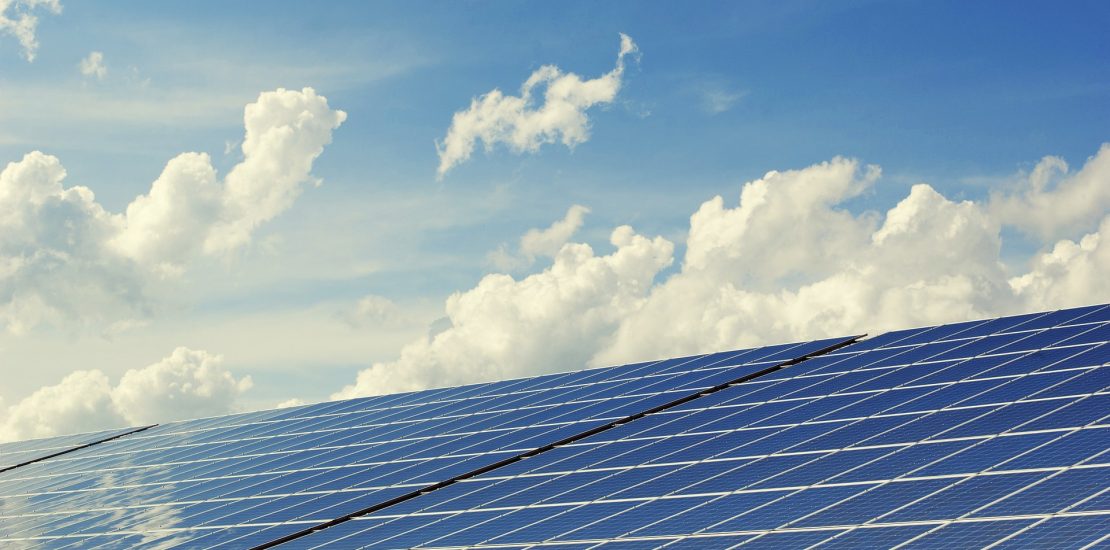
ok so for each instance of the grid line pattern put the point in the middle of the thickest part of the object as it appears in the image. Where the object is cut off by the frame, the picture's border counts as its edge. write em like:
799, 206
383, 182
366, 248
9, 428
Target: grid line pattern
249, 479
991, 433
21, 453
988, 433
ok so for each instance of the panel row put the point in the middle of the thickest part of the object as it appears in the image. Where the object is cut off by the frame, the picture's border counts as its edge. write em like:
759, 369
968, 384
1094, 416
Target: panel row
957, 436
277, 472
15, 453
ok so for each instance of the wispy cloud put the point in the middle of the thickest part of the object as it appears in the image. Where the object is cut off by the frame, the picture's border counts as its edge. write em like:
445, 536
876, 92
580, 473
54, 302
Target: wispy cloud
18, 19
716, 100
524, 125
540, 242
93, 66
198, 90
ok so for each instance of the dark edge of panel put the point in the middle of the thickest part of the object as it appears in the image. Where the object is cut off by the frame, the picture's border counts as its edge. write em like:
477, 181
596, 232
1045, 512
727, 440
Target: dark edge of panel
77, 448
571, 439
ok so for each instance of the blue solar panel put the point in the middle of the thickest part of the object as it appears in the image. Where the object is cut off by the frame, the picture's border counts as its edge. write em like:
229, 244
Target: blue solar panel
244, 480
1060, 532
17, 453
967, 435
986, 433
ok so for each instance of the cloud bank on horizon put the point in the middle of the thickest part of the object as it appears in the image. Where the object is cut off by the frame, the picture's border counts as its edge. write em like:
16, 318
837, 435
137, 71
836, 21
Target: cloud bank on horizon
185, 384
521, 124
787, 262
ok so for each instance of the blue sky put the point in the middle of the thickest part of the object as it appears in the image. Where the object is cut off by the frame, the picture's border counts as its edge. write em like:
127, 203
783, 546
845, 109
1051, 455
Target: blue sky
966, 97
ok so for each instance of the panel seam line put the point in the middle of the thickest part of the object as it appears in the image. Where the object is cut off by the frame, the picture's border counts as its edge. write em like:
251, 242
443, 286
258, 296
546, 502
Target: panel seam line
77, 448
570, 439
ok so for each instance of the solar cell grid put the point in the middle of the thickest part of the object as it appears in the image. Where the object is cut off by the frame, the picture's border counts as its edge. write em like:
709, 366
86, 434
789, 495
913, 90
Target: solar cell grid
247, 479
16, 453
982, 432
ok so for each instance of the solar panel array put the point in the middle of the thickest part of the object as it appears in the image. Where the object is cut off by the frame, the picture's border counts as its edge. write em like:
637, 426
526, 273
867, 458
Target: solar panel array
242, 480
20, 453
989, 433
957, 436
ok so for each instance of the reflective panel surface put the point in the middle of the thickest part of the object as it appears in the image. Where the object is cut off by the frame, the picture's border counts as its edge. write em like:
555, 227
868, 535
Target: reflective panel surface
242, 480
959, 436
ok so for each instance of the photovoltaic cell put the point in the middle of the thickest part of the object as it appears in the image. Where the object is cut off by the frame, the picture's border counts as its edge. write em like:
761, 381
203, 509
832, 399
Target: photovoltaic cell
967, 435
986, 433
17, 453
243, 480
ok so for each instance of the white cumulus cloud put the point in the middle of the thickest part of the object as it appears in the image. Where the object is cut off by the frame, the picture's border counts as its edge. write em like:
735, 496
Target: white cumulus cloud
544, 322
64, 258
18, 19
931, 260
292, 402
747, 242
1072, 273
93, 65
81, 402
547, 242
1052, 202
786, 262
185, 384
540, 242
188, 209
522, 124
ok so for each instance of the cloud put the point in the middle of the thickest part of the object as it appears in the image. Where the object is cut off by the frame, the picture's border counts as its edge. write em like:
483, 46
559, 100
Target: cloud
185, 384
544, 322
56, 263
286, 131
717, 99
377, 311
93, 65
786, 262
931, 260
18, 19
1052, 202
521, 124
1070, 274
65, 259
81, 402
188, 209
747, 241
293, 402
547, 242
540, 242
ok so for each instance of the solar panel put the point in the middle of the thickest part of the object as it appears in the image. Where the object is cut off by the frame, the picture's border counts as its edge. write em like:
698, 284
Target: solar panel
250, 479
967, 435
986, 433
20, 453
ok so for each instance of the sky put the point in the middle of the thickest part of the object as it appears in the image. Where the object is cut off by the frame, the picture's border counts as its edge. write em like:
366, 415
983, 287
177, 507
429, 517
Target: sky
210, 207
